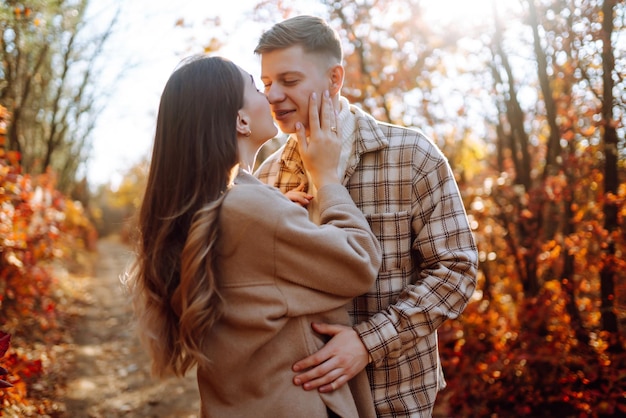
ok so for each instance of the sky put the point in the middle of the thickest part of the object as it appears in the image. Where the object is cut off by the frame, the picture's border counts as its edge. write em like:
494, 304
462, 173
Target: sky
144, 50
147, 46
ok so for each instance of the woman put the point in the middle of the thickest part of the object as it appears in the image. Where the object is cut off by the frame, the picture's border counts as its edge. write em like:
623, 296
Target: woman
230, 273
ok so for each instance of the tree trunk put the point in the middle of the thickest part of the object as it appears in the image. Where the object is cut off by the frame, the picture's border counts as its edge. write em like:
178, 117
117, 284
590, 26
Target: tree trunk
608, 273
546, 90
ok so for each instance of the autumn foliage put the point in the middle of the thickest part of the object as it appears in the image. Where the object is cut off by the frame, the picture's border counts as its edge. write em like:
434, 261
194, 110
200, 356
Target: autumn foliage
530, 110
39, 228
499, 366
5, 340
527, 101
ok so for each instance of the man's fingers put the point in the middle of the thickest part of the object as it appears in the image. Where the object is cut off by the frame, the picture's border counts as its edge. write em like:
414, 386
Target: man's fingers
335, 384
328, 329
325, 383
342, 358
320, 376
312, 360
325, 353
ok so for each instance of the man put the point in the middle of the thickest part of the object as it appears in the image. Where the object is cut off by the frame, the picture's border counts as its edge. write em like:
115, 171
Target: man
405, 187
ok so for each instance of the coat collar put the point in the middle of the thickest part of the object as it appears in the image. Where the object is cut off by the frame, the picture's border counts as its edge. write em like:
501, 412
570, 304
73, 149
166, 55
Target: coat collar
243, 177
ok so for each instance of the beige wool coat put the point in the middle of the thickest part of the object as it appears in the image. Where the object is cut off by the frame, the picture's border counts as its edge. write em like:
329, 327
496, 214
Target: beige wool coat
278, 273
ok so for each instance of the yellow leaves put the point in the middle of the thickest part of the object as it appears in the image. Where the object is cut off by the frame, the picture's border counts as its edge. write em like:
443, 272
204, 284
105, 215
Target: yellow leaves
130, 191
469, 155
588, 131
214, 45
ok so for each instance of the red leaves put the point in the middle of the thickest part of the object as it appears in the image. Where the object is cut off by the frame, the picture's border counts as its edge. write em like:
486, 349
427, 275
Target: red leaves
3, 383
38, 227
523, 358
5, 341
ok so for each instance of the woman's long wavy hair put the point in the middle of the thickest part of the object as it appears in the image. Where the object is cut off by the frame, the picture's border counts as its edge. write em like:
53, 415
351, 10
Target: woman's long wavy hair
194, 158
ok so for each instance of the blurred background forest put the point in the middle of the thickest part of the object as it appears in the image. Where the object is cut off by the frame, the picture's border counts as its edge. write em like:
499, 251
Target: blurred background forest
528, 104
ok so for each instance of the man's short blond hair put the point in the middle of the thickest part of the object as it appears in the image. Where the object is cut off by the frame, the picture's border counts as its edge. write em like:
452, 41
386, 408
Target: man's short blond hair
312, 33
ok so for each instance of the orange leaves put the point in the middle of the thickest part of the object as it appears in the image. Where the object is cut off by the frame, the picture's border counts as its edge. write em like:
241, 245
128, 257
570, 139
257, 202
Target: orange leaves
13, 157
3, 129
4, 121
38, 225
22, 12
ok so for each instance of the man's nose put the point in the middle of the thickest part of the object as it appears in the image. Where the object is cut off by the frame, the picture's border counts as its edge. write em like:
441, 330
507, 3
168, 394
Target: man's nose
274, 93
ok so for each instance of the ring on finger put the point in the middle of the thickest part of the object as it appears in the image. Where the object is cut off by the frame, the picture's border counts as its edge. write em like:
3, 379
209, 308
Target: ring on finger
334, 129
332, 385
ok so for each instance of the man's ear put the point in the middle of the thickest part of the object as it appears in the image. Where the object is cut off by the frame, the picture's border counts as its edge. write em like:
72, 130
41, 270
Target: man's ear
243, 124
336, 79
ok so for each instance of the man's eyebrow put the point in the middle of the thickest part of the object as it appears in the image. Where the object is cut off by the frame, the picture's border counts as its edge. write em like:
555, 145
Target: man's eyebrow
286, 74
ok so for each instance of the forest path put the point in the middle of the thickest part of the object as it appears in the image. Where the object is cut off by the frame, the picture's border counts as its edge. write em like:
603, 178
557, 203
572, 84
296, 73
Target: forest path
109, 373
109, 370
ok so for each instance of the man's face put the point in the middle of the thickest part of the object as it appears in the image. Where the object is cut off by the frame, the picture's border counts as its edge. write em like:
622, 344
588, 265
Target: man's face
290, 76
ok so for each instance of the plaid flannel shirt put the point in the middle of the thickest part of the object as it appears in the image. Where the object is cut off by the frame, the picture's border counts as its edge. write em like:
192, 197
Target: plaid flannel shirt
405, 187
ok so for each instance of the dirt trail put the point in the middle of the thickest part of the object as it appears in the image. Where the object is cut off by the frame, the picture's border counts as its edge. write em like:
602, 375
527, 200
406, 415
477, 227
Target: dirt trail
109, 374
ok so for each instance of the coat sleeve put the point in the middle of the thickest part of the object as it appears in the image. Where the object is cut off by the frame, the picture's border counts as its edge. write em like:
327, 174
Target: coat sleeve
316, 267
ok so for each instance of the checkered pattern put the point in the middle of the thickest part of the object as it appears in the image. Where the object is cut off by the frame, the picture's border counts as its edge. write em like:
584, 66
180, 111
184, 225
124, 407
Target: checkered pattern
405, 187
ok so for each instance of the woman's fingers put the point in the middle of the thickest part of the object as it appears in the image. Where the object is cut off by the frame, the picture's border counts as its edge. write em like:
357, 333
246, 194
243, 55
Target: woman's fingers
324, 118
322, 121
301, 135
320, 152
329, 117
314, 120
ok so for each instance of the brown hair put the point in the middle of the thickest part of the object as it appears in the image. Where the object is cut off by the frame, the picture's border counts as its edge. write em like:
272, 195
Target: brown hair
312, 33
195, 153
